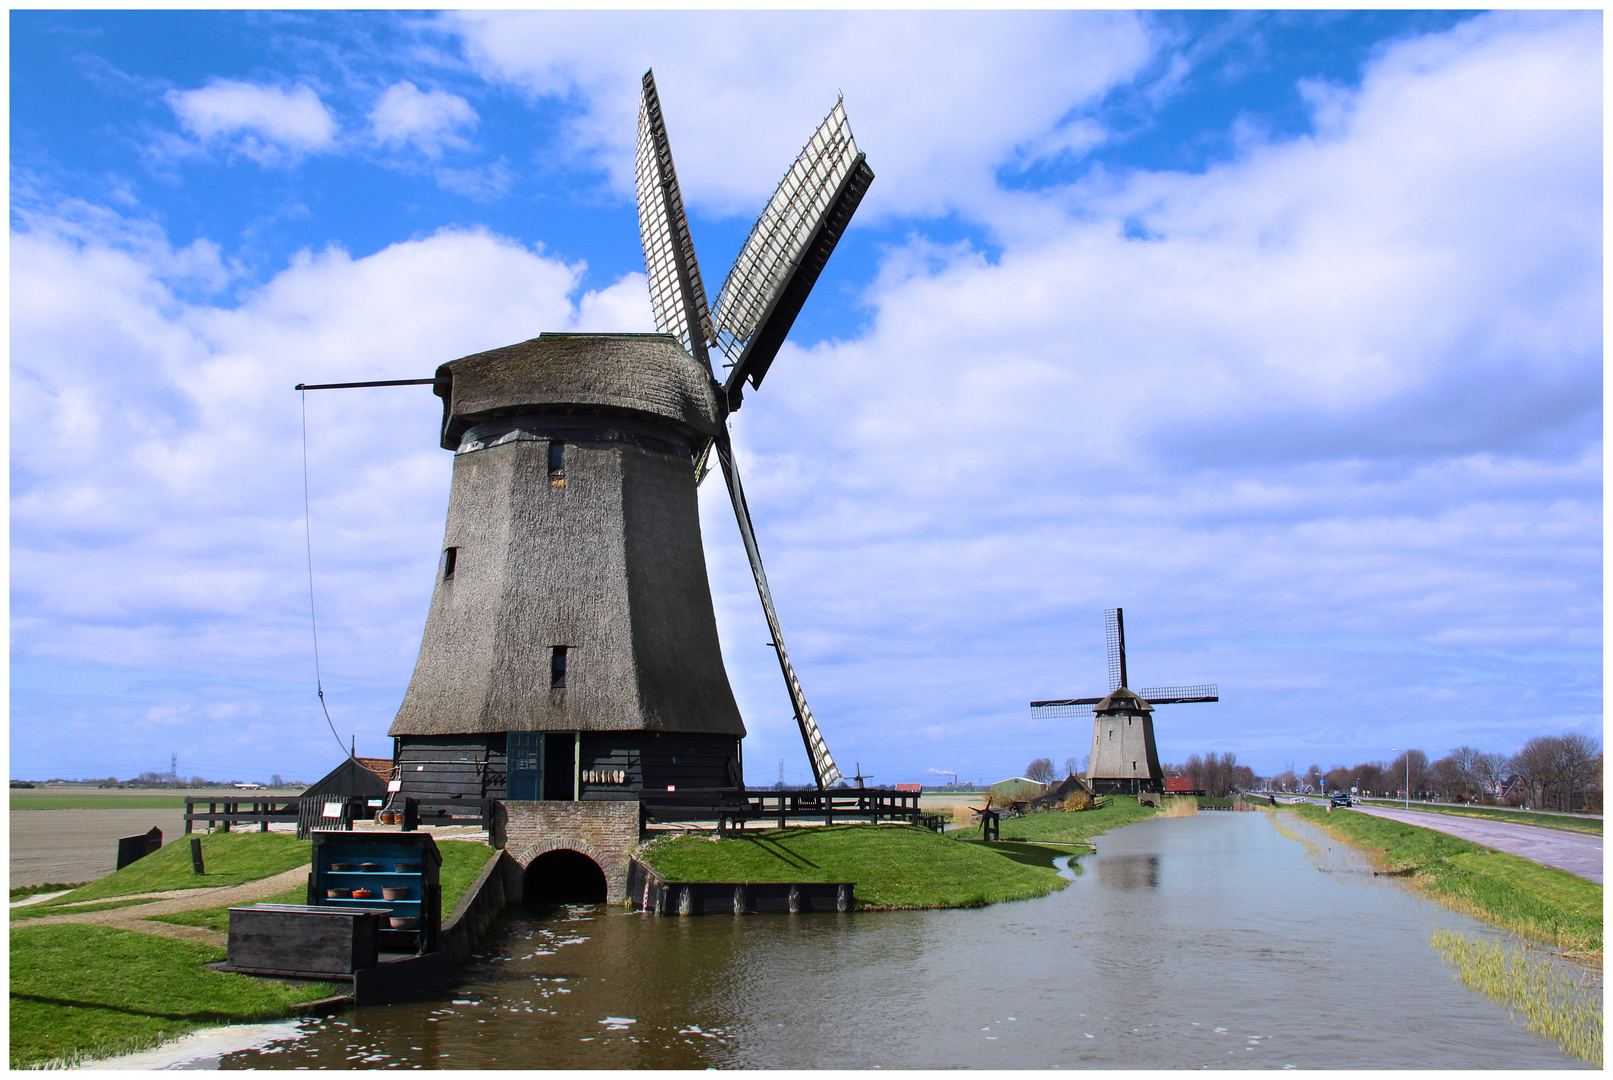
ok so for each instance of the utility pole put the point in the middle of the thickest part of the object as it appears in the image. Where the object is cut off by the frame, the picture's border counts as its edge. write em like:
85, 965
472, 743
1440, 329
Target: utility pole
173, 767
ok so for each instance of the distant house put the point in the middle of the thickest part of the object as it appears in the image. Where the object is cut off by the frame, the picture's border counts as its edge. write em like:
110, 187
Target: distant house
909, 787
1181, 785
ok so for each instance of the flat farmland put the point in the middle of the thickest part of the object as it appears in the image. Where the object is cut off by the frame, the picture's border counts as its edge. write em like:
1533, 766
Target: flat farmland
70, 834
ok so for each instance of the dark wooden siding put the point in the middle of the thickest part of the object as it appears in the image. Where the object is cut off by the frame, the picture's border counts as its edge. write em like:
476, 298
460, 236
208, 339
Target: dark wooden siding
652, 761
452, 766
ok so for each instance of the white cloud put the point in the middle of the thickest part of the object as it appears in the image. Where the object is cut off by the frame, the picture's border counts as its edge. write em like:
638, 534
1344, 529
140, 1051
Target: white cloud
266, 123
938, 99
431, 120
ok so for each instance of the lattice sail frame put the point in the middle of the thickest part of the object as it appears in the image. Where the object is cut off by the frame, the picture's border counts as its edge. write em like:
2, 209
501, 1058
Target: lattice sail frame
780, 236
664, 231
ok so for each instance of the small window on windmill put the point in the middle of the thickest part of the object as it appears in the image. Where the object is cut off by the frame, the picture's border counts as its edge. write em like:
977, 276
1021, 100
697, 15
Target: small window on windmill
450, 559
557, 463
557, 668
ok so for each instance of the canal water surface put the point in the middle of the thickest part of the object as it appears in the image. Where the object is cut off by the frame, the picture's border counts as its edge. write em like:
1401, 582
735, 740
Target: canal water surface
1208, 941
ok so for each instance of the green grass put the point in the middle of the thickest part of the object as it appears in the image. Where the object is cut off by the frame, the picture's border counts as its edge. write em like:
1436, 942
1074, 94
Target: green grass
892, 866
1533, 901
82, 992
1500, 813
40, 911
462, 860
22, 892
230, 859
1556, 1002
97, 802
1060, 827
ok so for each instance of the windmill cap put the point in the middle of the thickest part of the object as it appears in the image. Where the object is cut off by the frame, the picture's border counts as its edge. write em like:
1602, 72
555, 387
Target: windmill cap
649, 376
1122, 700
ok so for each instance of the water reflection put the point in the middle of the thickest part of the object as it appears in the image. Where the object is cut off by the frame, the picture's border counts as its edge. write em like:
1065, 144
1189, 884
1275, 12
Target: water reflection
1128, 871
1195, 942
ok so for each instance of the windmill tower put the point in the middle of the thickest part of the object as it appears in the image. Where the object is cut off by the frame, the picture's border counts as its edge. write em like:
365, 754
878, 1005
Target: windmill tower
570, 653
1124, 756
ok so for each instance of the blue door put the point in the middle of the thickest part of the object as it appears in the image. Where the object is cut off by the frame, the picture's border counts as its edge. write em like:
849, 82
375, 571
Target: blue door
524, 754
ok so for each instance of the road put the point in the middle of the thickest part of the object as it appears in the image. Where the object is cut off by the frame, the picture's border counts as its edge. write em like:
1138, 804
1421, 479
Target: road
1578, 853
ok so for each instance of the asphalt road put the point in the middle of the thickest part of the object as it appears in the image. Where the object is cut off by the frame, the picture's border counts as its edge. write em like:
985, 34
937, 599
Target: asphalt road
1578, 853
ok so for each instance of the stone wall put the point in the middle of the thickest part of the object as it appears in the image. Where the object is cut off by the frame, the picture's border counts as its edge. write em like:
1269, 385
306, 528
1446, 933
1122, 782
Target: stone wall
606, 832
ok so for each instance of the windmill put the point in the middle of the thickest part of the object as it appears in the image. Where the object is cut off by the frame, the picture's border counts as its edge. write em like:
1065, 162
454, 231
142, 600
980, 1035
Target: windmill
1124, 756
755, 308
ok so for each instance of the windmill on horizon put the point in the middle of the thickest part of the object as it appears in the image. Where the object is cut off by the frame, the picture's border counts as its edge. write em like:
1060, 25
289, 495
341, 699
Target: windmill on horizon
1124, 755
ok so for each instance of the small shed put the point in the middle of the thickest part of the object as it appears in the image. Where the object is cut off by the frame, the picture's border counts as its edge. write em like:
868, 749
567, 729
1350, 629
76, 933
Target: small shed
356, 778
1064, 789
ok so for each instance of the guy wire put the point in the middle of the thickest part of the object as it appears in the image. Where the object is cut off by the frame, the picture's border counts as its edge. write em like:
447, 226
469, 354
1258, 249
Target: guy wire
308, 539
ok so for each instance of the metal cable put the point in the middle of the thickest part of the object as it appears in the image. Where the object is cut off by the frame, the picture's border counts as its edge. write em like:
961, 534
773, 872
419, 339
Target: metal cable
308, 539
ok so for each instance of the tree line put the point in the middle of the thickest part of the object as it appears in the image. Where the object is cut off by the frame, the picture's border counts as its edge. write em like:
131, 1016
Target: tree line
1217, 775
1547, 773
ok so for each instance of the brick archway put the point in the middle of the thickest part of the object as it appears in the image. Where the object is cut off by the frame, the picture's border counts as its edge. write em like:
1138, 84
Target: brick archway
606, 832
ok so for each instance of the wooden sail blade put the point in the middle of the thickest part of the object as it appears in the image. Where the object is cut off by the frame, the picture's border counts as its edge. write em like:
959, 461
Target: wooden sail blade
1114, 637
1179, 695
677, 295
787, 249
824, 770
1065, 707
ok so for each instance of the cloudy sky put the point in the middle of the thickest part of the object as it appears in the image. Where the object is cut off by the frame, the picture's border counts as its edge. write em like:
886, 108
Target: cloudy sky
1280, 331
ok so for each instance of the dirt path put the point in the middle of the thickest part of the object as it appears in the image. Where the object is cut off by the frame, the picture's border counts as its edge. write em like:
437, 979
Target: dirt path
135, 917
1578, 853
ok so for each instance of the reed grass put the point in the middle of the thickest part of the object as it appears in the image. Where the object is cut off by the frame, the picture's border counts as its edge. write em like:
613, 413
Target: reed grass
1557, 1003
1186, 806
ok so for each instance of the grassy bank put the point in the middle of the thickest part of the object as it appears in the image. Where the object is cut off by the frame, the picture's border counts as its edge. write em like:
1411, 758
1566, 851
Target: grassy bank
1500, 813
893, 866
229, 858
1066, 828
82, 992
462, 860
1536, 902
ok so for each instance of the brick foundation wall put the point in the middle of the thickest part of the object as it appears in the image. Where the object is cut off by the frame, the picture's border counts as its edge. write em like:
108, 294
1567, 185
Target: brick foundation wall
606, 832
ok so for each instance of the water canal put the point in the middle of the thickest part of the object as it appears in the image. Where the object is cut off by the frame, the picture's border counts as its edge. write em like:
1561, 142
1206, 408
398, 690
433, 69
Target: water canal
1208, 941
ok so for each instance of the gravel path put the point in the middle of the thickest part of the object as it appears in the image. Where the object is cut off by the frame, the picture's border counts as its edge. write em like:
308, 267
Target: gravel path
136, 916
1578, 853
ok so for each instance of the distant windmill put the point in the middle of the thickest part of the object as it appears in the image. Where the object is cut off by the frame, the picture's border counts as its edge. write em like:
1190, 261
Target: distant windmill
764, 291
1124, 756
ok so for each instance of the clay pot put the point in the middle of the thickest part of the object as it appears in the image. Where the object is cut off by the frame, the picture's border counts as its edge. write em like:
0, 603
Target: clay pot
369, 867
338, 894
401, 922
341, 867
395, 894
363, 894
406, 867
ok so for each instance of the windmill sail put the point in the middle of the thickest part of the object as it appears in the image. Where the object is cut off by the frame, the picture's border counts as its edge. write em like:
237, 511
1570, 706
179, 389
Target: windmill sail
677, 294
1114, 636
1179, 695
787, 249
823, 764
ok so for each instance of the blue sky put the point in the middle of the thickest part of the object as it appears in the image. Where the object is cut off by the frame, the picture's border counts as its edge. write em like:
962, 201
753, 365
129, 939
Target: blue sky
1280, 330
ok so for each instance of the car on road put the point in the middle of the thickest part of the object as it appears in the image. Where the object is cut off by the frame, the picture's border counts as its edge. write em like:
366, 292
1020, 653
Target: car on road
1342, 798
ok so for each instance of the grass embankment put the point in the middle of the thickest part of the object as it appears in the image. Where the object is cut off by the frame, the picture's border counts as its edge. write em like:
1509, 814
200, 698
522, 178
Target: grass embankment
1066, 828
1499, 813
1536, 902
84, 992
229, 859
80, 992
897, 866
892, 866
462, 860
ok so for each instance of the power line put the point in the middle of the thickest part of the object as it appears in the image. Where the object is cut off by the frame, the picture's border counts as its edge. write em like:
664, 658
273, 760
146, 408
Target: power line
308, 539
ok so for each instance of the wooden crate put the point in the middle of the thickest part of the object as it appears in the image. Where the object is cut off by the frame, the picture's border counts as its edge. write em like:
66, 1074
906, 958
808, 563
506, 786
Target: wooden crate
300, 940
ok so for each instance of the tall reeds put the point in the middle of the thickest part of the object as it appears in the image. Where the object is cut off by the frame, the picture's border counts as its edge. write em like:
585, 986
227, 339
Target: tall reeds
1186, 806
1556, 1002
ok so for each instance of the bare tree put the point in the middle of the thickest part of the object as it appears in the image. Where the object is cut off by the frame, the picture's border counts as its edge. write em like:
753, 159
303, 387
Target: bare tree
1313, 777
1072, 766
1418, 773
1040, 770
1577, 765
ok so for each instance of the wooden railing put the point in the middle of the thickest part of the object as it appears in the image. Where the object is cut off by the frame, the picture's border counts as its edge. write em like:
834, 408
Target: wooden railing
734, 806
227, 811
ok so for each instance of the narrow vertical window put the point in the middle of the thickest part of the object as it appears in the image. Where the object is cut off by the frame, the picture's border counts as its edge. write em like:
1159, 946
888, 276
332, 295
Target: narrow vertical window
450, 557
557, 668
557, 463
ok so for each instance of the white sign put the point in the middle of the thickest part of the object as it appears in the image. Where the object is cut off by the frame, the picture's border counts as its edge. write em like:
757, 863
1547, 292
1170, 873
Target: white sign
333, 809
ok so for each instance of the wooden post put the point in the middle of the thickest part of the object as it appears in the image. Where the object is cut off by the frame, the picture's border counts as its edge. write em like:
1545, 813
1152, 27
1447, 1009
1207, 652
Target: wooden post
196, 855
190, 808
